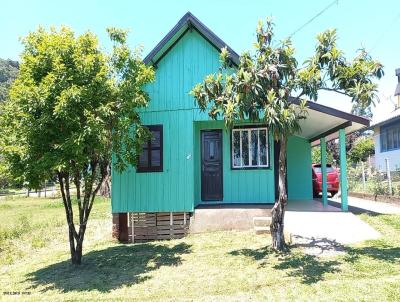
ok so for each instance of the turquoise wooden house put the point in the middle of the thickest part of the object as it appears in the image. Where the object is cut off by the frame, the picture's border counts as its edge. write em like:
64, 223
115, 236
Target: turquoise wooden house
193, 161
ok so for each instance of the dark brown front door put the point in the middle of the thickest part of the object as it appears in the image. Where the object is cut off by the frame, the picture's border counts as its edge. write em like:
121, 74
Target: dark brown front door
211, 165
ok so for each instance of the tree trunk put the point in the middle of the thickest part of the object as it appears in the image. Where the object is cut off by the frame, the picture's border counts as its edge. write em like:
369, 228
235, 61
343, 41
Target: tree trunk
278, 211
91, 188
76, 255
105, 189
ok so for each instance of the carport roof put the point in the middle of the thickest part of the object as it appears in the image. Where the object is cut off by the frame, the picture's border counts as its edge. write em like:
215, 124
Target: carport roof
324, 121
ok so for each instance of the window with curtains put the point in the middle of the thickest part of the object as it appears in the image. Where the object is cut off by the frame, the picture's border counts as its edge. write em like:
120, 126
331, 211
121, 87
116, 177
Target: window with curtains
250, 148
390, 137
151, 159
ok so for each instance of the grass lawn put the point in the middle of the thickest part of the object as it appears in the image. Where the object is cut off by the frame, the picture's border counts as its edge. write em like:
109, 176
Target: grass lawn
221, 266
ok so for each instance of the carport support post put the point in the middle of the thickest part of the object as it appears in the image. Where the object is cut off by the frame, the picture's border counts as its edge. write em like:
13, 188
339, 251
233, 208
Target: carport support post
343, 169
323, 170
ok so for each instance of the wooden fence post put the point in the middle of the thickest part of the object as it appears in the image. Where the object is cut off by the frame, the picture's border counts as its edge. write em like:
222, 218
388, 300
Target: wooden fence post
388, 176
363, 175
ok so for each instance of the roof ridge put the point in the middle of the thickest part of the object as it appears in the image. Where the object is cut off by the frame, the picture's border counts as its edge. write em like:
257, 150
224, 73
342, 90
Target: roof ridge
191, 20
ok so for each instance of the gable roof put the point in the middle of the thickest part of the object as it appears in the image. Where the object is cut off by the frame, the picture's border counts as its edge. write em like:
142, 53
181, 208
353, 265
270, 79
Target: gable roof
323, 120
187, 22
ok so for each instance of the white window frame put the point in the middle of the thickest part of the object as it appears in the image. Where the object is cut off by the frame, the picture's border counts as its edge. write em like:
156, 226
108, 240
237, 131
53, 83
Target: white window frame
248, 131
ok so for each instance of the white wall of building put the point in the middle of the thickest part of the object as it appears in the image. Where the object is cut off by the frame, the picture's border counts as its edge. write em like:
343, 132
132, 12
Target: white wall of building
393, 156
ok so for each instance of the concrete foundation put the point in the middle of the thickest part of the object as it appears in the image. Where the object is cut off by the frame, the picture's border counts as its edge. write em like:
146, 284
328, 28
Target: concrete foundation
120, 226
227, 217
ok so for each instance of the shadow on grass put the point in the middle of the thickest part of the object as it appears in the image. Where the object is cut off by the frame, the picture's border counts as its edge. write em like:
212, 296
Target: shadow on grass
105, 270
386, 253
318, 246
310, 269
258, 254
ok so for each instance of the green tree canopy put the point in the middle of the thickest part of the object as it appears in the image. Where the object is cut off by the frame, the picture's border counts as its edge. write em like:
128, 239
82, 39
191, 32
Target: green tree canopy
72, 106
316, 155
362, 148
263, 85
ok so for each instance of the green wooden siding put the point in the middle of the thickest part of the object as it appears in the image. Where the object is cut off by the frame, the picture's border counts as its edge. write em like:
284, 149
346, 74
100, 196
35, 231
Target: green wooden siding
178, 187
299, 175
169, 190
184, 65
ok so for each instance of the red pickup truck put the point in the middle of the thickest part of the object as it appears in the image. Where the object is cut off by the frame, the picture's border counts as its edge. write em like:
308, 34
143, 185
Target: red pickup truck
332, 179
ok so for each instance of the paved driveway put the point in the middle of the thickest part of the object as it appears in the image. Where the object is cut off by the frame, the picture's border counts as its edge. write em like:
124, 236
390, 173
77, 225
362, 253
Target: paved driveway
324, 230
359, 205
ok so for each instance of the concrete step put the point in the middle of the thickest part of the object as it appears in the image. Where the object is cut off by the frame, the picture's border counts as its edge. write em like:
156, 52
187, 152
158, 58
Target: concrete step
261, 230
263, 221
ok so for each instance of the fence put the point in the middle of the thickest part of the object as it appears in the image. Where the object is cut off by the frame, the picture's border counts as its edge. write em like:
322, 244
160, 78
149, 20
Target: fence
364, 178
49, 189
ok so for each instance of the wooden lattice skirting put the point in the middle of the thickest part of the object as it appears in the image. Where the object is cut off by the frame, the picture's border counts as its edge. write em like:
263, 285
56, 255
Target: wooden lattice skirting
144, 227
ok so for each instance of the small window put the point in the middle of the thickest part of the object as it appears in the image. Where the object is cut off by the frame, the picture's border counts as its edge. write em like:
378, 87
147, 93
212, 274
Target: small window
151, 159
390, 137
383, 141
249, 148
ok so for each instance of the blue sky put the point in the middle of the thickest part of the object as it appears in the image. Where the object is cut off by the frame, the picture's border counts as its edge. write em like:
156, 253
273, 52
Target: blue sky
374, 25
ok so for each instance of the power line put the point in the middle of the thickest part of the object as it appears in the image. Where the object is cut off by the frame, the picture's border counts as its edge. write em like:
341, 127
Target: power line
314, 17
380, 37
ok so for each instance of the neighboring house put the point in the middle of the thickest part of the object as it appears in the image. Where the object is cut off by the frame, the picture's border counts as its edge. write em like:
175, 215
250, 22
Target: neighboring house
387, 136
193, 161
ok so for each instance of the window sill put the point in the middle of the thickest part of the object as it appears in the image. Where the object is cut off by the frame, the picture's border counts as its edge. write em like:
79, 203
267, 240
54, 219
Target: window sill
391, 150
251, 168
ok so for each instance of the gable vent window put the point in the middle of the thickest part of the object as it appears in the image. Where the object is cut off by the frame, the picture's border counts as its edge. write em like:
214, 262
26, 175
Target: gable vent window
250, 148
151, 159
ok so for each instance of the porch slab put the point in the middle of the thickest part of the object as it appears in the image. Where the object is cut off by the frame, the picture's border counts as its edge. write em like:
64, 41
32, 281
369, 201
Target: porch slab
227, 217
318, 228
310, 206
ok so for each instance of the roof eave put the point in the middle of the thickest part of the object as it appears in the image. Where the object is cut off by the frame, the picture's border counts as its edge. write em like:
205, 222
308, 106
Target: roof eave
388, 121
189, 20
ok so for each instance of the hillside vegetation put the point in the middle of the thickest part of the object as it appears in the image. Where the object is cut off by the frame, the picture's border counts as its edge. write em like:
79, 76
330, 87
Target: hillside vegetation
8, 73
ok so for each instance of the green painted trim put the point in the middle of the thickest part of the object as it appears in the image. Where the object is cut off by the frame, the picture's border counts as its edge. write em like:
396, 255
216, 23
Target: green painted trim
323, 170
343, 169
